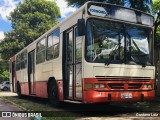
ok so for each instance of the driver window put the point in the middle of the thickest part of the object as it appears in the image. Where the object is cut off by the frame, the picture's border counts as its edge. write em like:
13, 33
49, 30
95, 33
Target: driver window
105, 41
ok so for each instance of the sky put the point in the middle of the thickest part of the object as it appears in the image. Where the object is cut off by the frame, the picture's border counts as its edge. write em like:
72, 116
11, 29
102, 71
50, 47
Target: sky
7, 6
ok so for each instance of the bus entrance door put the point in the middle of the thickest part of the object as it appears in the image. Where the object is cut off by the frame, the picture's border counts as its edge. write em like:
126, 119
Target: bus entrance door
31, 72
73, 68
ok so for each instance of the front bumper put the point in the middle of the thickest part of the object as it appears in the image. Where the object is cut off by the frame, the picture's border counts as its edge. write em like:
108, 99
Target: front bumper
97, 96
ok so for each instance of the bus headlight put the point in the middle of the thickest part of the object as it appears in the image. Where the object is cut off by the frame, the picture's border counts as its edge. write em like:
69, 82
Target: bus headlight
96, 86
144, 86
102, 86
147, 86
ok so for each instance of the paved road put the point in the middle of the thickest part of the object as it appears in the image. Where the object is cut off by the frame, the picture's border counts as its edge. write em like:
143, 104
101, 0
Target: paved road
7, 93
8, 107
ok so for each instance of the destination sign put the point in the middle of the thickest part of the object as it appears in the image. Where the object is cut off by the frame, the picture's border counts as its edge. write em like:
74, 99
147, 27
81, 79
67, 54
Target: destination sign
98, 11
120, 13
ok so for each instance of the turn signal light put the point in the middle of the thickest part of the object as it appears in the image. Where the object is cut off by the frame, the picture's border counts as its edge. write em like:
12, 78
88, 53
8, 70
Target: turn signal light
88, 86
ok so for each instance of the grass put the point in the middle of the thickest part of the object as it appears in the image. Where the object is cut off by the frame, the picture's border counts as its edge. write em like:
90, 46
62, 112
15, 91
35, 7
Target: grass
41, 105
68, 111
145, 106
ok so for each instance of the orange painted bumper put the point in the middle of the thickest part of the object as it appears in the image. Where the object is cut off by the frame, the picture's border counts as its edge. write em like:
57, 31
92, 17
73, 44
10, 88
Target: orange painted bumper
96, 96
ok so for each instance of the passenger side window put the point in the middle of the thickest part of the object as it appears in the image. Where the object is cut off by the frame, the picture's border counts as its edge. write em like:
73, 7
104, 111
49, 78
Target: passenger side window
40, 56
21, 60
24, 59
53, 45
18, 62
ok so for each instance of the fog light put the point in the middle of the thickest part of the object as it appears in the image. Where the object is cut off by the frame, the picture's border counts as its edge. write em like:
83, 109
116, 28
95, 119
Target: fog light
96, 86
149, 86
144, 86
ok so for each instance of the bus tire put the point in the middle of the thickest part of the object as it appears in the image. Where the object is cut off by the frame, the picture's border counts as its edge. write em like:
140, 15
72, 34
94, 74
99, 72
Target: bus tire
19, 90
53, 94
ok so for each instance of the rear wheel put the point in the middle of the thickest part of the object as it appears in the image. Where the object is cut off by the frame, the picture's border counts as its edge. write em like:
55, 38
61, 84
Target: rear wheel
19, 90
53, 94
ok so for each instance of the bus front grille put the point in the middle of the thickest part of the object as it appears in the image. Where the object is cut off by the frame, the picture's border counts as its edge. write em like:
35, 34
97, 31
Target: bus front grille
134, 86
124, 86
115, 86
114, 78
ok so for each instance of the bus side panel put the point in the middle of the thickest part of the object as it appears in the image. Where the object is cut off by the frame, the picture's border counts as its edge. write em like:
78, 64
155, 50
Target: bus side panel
22, 78
41, 89
24, 88
43, 72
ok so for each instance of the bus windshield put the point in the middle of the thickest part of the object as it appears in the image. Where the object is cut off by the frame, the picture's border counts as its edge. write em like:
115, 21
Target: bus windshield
113, 42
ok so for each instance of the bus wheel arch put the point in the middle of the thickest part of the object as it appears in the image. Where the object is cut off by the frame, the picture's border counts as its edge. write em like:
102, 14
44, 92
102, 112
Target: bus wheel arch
52, 90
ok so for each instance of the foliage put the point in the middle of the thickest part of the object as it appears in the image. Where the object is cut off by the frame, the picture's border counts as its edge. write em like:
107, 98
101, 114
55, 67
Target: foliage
29, 21
81, 2
156, 12
143, 5
4, 74
10, 45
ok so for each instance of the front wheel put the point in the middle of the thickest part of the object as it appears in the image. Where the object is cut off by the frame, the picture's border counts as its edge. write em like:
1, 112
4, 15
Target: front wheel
5, 89
53, 94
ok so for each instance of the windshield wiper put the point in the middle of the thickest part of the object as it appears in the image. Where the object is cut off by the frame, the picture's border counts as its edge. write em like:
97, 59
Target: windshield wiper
114, 51
108, 62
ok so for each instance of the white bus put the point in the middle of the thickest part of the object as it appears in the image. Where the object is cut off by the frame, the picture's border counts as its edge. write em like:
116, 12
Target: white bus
101, 53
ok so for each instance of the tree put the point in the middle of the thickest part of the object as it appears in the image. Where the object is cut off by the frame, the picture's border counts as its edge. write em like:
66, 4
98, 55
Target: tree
4, 74
156, 13
79, 3
29, 21
11, 45
143, 5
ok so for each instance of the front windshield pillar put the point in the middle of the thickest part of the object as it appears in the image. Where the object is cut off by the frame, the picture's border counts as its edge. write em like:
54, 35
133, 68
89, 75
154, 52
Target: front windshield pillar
125, 46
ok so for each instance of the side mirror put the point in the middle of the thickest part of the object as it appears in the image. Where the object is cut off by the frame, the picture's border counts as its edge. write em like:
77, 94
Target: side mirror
81, 27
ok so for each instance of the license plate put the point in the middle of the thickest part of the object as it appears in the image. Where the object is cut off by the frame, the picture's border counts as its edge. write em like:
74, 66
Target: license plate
126, 95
